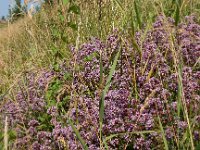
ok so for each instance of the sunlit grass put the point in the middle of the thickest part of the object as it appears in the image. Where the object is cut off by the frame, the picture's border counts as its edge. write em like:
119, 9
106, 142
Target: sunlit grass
32, 44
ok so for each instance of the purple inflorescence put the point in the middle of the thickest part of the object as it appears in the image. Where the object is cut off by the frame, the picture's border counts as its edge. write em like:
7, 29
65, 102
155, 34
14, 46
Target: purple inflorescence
144, 90
155, 90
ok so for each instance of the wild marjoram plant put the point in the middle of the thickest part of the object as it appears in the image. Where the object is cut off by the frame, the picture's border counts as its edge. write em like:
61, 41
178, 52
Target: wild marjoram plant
118, 119
134, 84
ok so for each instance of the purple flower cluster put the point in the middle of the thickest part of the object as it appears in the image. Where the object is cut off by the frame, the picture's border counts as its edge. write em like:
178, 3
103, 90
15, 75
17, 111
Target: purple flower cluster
24, 110
144, 89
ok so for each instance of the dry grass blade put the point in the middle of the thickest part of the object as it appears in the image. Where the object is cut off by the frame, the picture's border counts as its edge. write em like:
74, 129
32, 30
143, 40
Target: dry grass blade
6, 134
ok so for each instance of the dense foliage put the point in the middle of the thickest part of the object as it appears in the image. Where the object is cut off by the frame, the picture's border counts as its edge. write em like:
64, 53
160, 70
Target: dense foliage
154, 88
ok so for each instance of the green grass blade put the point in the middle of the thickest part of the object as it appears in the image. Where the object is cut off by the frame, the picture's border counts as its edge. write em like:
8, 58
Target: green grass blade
78, 135
181, 98
163, 134
180, 86
101, 105
101, 69
177, 12
137, 14
135, 45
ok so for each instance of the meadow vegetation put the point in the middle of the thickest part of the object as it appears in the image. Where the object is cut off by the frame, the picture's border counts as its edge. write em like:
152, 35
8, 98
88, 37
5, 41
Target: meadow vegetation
104, 74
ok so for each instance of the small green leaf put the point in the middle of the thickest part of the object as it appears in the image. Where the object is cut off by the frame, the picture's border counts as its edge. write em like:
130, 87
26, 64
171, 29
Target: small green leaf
65, 2
73, 26
62, 18
75, 9
60, 14
56, 67
55, 32
12, 134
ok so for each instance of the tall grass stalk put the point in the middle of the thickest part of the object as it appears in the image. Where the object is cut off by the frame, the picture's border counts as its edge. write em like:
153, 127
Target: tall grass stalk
6, 134
73, 93
182, 98
101, 103
181, 103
